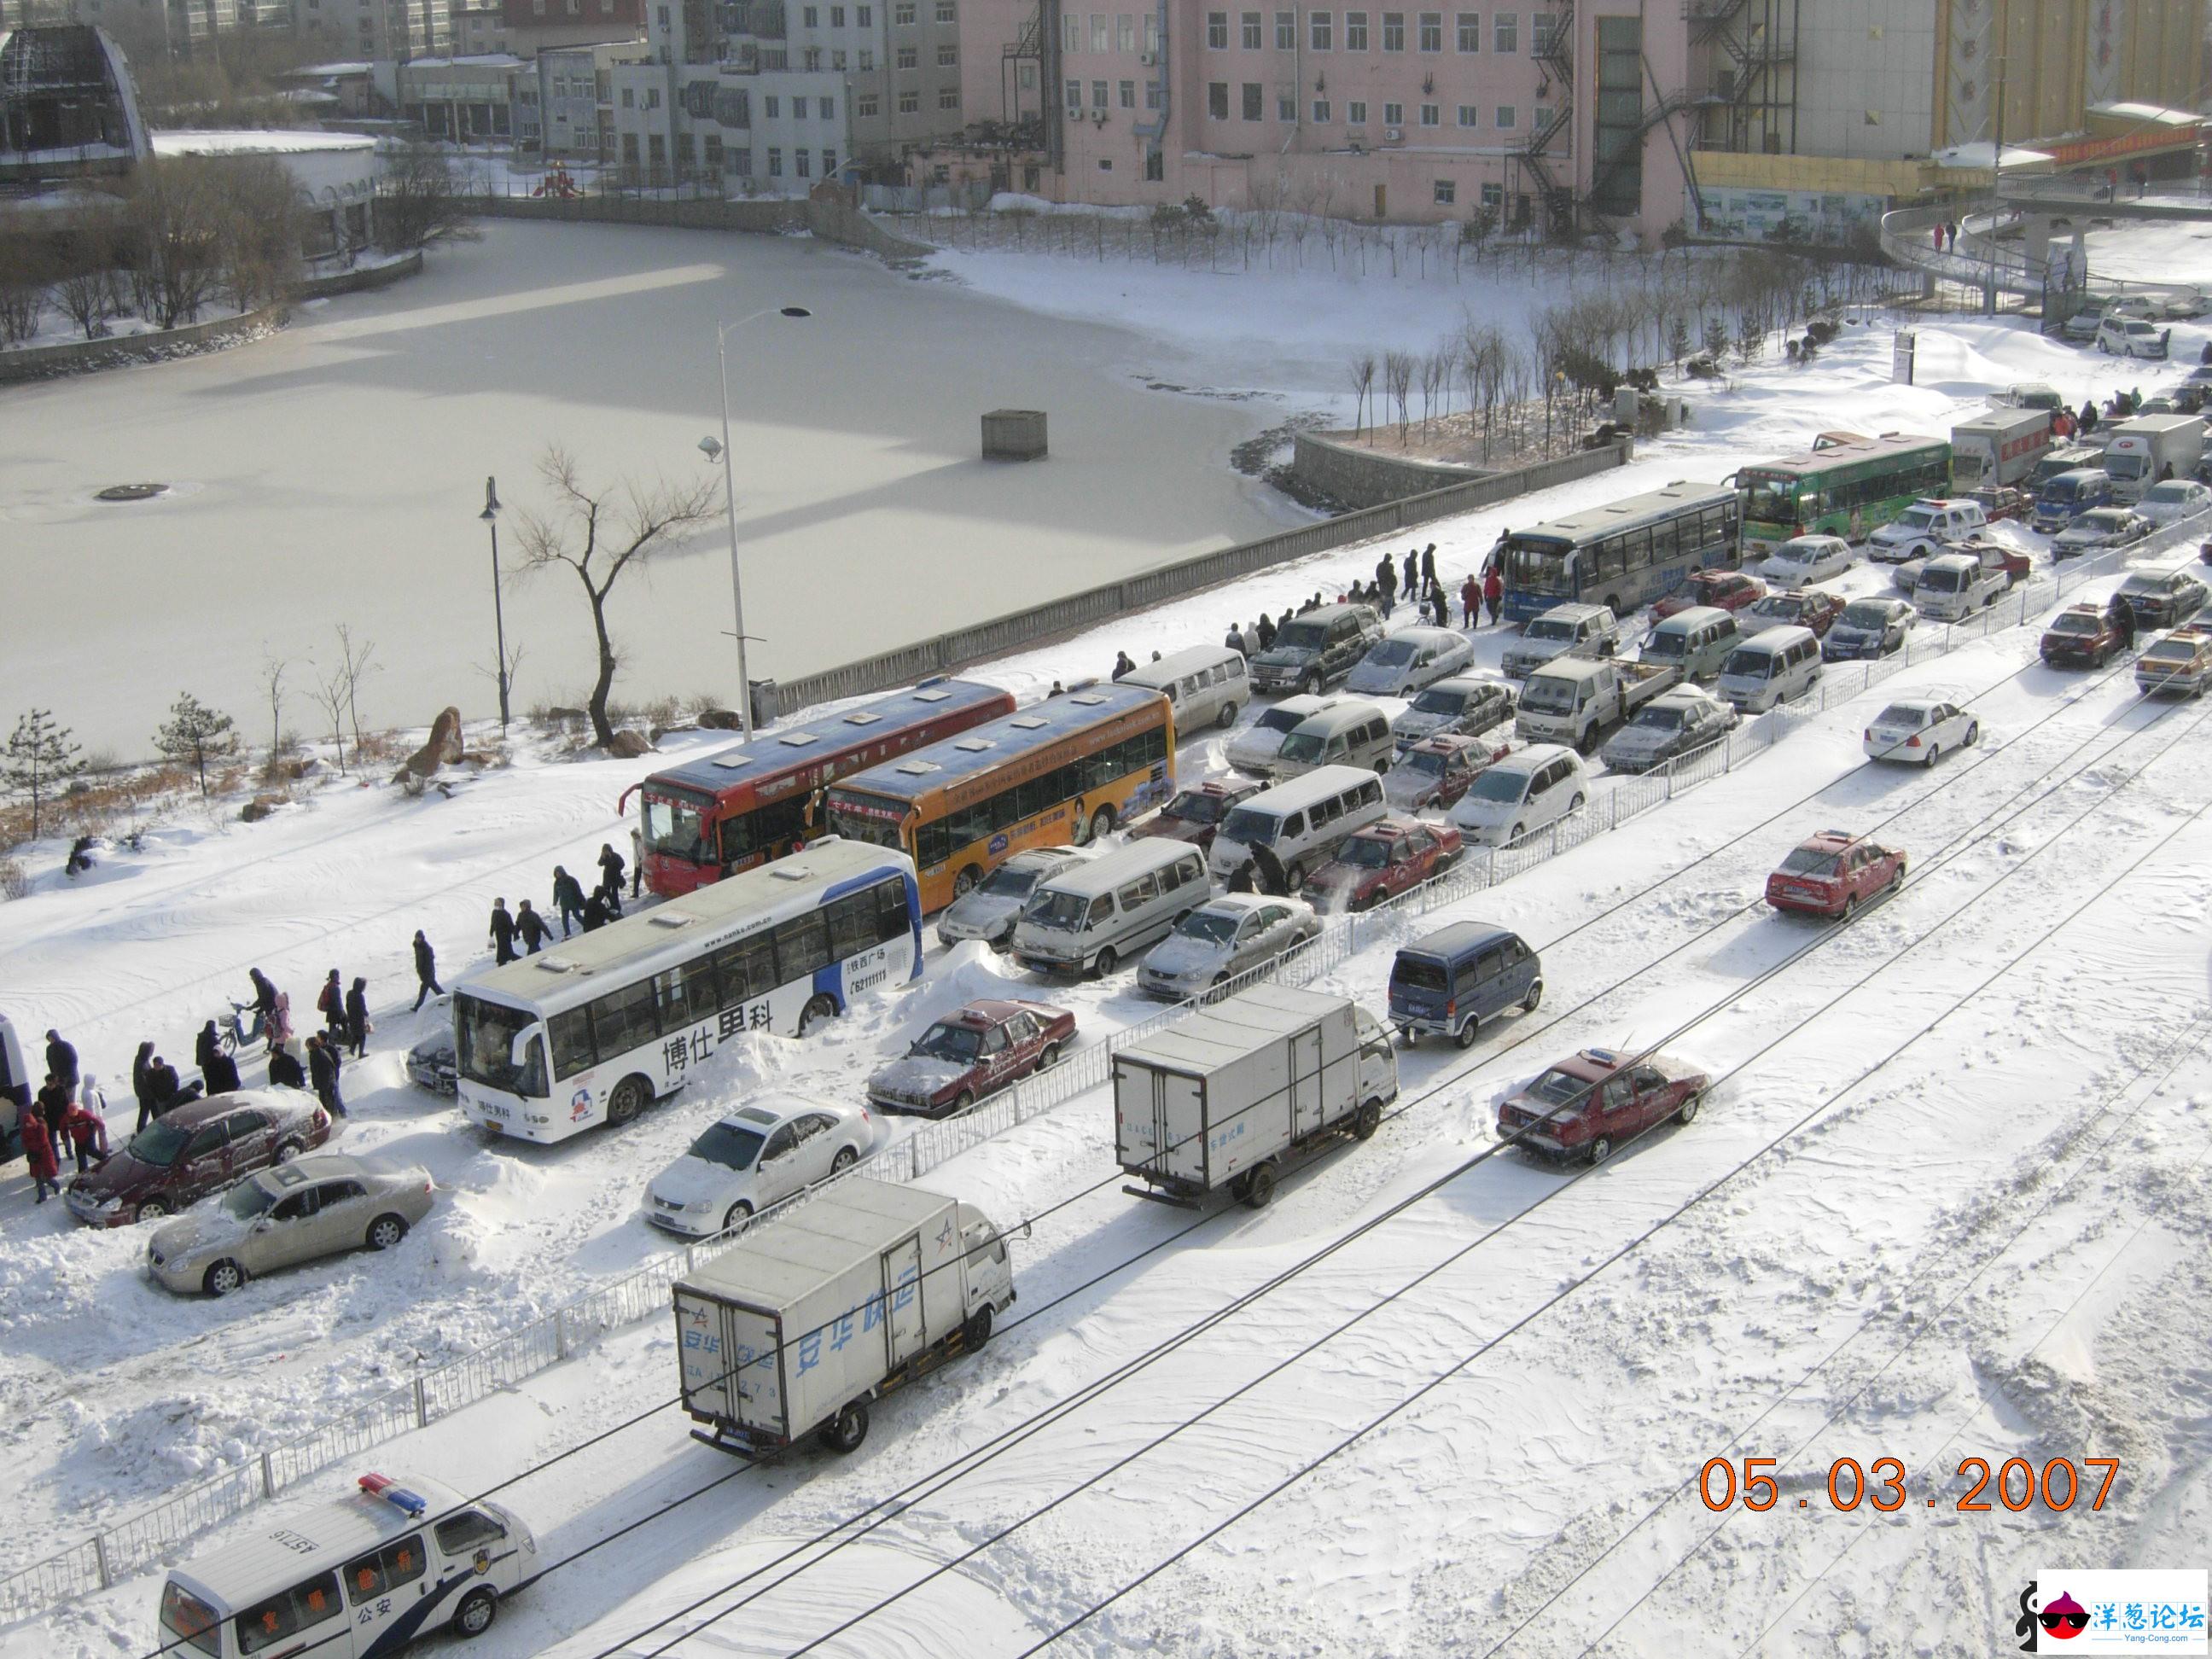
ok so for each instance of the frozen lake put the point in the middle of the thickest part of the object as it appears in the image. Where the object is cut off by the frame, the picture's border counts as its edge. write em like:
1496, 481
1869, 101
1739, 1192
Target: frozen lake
334, 472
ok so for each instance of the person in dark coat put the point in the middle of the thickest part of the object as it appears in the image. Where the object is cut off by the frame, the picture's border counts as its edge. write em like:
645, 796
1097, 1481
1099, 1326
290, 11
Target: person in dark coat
1234, 640
53, 1109
265, 993
1123, 666
1058, 690
1266, 632
1241, 880
1267, 871
1440, 605
205, 1047
532, 928
610, 875
426, 970
323, 1072
1386, 574
567, 898
2121, 616
162, 1081
503, 933
284, 1071
1429, 565
1413, 582
142, 1065
61, 1061
220, 1074
2086, 421
595, 912
40, 1153
329, 1003
357, 1008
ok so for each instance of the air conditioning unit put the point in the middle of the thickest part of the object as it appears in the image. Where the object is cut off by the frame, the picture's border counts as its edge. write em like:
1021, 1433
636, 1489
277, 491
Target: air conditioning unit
1149, 59
1394, 134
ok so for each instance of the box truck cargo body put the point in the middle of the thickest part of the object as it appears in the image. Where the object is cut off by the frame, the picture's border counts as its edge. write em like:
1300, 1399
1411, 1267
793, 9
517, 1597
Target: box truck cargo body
1998, 447
1222, 1098
798, 1326
2142, 451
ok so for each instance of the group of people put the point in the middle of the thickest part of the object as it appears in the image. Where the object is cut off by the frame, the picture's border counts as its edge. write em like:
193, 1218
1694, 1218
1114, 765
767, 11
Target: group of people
69, 1115
1947, 235
589, 911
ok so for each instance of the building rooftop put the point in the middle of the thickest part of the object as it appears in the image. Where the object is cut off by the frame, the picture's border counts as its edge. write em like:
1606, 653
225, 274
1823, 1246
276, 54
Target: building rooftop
272, 142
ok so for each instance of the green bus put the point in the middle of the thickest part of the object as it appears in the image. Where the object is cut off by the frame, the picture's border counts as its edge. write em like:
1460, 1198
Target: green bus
1845, 485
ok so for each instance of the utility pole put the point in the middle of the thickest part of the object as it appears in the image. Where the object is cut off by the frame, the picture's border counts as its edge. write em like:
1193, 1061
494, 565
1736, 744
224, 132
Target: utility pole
1996, 192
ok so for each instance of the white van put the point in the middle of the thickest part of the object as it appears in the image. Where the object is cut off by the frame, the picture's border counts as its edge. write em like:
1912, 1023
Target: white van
1777, 665
1252, 751
1204, 684
1697, 642
1347, 734
1301, 822
1524, 792
1090, 918
357, 1579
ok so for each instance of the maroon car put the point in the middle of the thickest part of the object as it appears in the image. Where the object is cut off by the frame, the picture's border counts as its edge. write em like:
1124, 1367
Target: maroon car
195, 1149
1832, 873
1587, 1106
979, 1049
1808, 607
2080, 633
1195, 814
1729, 590
1383, 860
1437, 771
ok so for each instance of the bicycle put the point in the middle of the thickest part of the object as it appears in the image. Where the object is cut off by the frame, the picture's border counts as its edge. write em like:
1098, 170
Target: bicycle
234, 1033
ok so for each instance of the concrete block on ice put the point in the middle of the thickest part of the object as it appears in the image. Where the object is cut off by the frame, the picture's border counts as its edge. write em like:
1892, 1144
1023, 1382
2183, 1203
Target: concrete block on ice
1013, 435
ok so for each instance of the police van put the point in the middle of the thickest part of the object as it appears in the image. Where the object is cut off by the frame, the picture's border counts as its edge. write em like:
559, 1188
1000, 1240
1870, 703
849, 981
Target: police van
357, 1579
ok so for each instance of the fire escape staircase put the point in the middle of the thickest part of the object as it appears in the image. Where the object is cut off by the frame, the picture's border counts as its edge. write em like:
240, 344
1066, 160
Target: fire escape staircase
1754, 56
1558, 61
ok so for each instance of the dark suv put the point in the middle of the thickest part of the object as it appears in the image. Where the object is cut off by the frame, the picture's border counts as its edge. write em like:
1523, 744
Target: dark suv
1318, 649
195, 1149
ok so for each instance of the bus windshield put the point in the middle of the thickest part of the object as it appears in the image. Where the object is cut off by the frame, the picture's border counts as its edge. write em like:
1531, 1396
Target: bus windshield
486, 1056
1538, 566
1769, 497
676, 826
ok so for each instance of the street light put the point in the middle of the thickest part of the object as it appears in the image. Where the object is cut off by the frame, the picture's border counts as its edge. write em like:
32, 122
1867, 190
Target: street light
490, 517
712, 447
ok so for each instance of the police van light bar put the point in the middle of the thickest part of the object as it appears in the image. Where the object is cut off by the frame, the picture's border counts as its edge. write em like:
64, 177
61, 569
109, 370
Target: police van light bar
382, 1486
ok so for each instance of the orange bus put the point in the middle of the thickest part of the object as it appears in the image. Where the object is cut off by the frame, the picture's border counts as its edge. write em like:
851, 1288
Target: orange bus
1066, 769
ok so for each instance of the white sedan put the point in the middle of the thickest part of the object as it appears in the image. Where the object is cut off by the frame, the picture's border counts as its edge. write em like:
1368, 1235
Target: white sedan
1919, 729
1402, 663
1805, 559
2176, 498
775, 1145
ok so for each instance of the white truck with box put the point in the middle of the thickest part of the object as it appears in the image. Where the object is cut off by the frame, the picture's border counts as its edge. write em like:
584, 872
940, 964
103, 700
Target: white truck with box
1226, 1097
796, 1328
1998, 447
2142, 451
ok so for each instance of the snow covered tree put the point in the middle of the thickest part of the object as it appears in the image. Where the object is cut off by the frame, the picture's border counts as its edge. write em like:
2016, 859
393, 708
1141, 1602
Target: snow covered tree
41, 758
600, 534
419, 200
195, 734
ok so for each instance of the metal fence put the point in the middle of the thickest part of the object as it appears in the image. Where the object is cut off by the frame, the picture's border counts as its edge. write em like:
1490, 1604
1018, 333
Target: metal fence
119, 1550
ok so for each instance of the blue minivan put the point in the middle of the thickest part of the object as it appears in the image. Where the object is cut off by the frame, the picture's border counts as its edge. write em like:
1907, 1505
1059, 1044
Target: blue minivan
1450, 982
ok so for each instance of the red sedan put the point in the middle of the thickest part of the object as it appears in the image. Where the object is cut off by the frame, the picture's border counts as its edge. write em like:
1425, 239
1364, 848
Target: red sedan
1833, 873
983, 1048
1383, 860
1600, 1100
1729, 590
1437, 771
1808, 607
1195, 814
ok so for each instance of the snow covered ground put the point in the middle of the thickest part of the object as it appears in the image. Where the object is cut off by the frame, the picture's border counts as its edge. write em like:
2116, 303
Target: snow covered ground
1985, 1237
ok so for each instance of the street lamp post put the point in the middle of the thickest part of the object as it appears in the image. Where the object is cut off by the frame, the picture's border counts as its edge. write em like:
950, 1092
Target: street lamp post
714, 449
490, 517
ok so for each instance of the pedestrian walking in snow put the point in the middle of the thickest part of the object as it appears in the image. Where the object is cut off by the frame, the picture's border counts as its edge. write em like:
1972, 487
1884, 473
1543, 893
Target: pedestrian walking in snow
1267, 628
1386, 574
329, 1003
205, 1047
1470, 602
636, 863
1234, 640
532, 928
285, 1071
426, 969
1440, 605
357, 1006
503, 933
610, 875
323, 1072
87, 1126
39, 1153
1429, 565
61, 1061
595, 912
141, 1066
280, 1021
1058, 690
2086, 421
1493, 593
1123, 666
1413, 582
567, 898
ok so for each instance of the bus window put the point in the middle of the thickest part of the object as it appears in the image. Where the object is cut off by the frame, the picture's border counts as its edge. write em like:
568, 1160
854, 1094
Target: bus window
624, 1019
192, 1621
745, 970
802, 946
487, 1031
573, 1049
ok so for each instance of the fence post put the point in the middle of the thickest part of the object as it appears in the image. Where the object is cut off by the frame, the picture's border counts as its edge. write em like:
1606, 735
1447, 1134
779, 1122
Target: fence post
268, 1476
422, 1403
99, 1559
561, 1316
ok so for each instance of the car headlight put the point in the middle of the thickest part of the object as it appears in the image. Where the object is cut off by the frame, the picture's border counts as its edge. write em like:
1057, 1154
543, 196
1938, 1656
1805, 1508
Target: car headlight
109, 1205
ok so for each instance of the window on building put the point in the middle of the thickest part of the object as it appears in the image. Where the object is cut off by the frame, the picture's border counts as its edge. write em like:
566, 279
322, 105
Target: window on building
1074, 95
910, 103
1217, 100
1125, 93
1505, 32
1393, 115
775, 162
947, 57
1025, 76
828, 163
1469, 116
828, 109
1543, 26
1318, 31
1248, 30
803, 163
1539, 117
661, 14
947, 12
630, 147
629, 98
1286, 31
814, 57
1493, 196
810, 15
909, 57
741, 163
1394, 31
1321, 112
1432, 116
1156, 168
1125, 31
1251, 101
837, 60
1152, 94
1508, 117
1098, 31
772, 106
799, 109
1445, 192
1105, 164
1152, 32
1355, 31
1216, 31
903, 13
864, 17
867, 58
836, 18
1432, 30
1071, 34
948, 98
1355, 113
1098, 95
867, 106
1286, 104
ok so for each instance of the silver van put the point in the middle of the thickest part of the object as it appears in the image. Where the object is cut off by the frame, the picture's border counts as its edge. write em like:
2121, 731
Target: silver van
1347, 734
1299, 823
1778, 665
1204, 684
1093, 917
1697, 642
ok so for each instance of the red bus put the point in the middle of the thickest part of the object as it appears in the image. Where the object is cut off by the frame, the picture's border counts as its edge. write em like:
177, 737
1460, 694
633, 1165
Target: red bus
725, 812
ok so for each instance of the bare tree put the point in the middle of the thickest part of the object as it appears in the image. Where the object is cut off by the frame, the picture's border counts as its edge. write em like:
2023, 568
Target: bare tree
261, 221
329, 692
273, 670
26, 267
419, 200
1362, 383
1398, 380
87, 288
600, 534
356, 662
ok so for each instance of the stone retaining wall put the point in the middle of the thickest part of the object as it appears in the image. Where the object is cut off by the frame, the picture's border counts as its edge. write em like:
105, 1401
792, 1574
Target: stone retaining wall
1358, 477
833, 221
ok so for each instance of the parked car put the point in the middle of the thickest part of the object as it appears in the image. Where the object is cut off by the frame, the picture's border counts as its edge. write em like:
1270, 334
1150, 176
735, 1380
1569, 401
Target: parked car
1565, 631
430, 1064
197, 1148
1675, 723
1725, 590
1926, 527
1195, 814
2080, 634
1803, 559
1447, 983
2179, 665
323, 1204
2030, 394
2161, 598
1524, 792
989, 909
1465, 705
974, 1051
1388, 857
775, 1145
1252, 751
2102, 527
1599, 1100
1920, 729
1694, 642
1954, 586
2133, 336
2175, 498
1223, 938
2067, 496
1832, 873
1773, 666
1437, 771
1994, 557
1316, 650
1869, 628
1401, 663
1811, 608
1350, 732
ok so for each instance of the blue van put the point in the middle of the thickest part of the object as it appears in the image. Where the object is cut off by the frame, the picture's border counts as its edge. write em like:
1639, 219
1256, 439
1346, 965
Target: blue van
1450, 982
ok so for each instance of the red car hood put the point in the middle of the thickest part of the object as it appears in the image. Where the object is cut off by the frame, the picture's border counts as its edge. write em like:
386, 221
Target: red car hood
119, 1177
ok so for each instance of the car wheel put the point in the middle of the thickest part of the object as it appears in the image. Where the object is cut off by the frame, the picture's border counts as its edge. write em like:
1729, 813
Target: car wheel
478, 1608
1973, 734
1535, 996
153, 1209
741, 1211
1366, 1120
1687, 1111
1934, 749
1851, 907
964, 883
961, 1103
222, 1278
846, 1158
1105, 961
1047, 1057
977, 1331
1468, 1031
386, 1231
629, 1099
1575, 806
845, 1431
817, 1009
1310, 685
1601, 1149
288, 1150
1227, 718
1516, 832
1259, 1188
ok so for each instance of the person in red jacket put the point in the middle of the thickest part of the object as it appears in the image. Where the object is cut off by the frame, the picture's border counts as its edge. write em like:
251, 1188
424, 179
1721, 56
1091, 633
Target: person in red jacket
1493, 591
39, 1152
1470, 602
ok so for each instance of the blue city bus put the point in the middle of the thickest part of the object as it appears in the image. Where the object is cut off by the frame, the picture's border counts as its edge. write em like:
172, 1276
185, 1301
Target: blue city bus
1624, 554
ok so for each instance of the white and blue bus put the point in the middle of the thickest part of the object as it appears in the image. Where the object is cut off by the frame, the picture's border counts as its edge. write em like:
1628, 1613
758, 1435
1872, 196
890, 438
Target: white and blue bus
1624, 554
597, 1027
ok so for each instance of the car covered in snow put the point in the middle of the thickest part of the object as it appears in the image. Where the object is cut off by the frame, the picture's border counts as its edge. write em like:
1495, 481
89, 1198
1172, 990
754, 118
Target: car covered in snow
430, 1064
1724, 590
2174, 498
1391, 856
1565, 631
989, 909
2031, 394
1437, 771
1673, 724
195, 1149
1316, 650
1832, 873
1924, 528
2100, 528
323, 1204
1253, 750
2080, 635
1812, 608
1593, 1103
1401, 663
1868, 627
774, 1145
2163, 598
1803, 559
1225, 937
1195, 813
1920, 730
1463, 704
974, 1051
